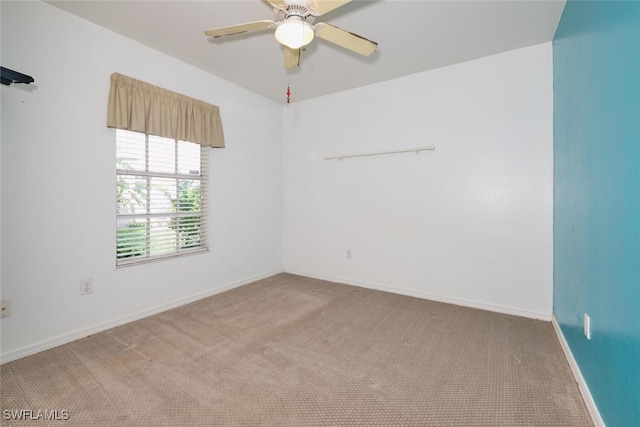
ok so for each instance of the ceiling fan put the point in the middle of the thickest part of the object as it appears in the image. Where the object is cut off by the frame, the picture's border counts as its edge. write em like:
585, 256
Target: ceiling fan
294, 28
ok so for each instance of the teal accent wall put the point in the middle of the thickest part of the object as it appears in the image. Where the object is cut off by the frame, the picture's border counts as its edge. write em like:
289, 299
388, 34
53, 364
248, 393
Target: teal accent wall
596, 60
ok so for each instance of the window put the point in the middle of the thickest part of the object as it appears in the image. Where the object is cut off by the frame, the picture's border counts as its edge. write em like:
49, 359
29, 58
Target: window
161, 197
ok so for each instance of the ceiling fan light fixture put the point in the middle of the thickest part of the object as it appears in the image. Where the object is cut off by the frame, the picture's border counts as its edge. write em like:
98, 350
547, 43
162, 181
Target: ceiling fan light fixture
294, 33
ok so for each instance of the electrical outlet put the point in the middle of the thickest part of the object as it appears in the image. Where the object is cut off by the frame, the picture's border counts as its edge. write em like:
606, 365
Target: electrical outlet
587, 326
86, 286
6, 308
348, 253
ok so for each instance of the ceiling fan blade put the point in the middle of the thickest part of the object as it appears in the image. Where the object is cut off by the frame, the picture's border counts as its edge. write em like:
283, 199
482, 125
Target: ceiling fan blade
239, 29
321, 7
291, 58
347, 40
279, 4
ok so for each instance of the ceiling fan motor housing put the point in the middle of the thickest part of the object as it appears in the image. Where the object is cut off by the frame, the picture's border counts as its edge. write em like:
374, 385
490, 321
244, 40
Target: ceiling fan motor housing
297, 10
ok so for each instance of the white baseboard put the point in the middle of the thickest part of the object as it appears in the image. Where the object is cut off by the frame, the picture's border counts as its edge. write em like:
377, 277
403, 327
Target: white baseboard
84, 332
425, 295
582, 385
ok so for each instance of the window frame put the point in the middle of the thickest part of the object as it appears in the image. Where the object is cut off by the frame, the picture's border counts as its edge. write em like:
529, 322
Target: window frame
202, 177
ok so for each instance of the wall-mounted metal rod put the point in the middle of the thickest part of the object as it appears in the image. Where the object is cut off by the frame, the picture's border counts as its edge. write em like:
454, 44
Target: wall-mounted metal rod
8, 76
380, 153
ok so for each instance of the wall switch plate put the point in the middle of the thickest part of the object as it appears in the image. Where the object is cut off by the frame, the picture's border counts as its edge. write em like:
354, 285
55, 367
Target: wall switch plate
587, 326
6, 308
86, 286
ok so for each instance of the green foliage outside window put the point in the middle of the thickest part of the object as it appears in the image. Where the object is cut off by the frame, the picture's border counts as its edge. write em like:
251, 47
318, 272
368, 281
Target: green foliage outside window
188, 228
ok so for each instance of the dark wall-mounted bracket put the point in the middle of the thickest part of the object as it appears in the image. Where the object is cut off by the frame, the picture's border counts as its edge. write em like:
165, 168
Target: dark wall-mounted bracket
10, 76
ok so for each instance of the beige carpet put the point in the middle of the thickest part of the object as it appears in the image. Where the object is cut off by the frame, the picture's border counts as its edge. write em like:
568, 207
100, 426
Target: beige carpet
296, 351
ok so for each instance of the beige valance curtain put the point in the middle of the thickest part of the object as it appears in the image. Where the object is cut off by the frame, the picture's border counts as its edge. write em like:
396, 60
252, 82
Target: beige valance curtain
142, 107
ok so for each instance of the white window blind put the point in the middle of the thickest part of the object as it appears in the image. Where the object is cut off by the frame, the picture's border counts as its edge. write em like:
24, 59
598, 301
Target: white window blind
161, 197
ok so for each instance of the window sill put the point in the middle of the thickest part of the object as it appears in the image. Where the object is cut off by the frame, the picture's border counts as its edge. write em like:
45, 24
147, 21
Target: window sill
154, 258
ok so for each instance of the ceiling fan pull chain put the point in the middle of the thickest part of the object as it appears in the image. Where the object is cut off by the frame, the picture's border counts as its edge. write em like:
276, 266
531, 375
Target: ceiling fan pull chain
288, 94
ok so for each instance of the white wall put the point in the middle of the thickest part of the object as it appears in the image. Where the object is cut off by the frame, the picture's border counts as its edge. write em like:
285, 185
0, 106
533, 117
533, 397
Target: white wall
470, 223
58, 183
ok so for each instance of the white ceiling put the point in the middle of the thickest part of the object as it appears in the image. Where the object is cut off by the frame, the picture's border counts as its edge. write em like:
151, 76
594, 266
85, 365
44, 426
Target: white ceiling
412, 36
